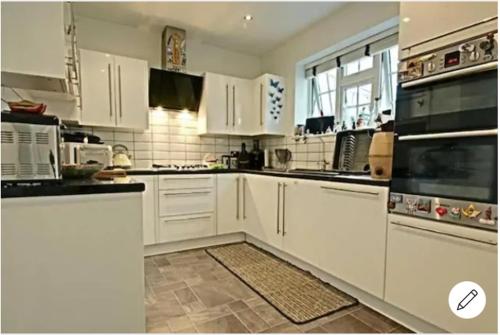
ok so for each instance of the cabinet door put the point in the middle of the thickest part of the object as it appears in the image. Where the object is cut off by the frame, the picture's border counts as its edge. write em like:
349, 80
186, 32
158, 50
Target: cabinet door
272, 108
424, 264
263, 216
244, 119
215, 114
131, 92
33, 39
97, 84
229, 198
353, 222
149, 202
302, 222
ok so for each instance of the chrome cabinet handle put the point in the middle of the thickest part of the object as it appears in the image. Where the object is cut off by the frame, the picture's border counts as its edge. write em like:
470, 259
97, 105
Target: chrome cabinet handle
186, 178
120, 88
109, 91
227, 104
350, 191
283, 215
244, 199
237, 198
187, 193
278, 211
457, 134
188, 219
234, 105
261, 116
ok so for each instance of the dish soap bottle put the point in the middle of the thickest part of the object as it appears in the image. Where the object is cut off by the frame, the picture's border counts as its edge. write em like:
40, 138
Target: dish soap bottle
243, 158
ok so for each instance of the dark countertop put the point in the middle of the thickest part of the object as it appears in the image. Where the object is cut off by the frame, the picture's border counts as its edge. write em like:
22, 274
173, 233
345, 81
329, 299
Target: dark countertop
73, 187
351, 179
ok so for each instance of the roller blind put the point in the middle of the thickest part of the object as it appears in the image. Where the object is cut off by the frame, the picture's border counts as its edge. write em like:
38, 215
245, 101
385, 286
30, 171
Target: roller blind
367, 47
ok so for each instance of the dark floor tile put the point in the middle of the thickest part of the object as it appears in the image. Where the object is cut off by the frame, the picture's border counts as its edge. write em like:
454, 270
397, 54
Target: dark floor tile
170, 309
225, 324
269, 314
401, 330
316, 330
347, 324
212, 296
190, 330
179, 323
208, 314
185, 296
375, 319
238, 306
158, 329
251, 320
285, 328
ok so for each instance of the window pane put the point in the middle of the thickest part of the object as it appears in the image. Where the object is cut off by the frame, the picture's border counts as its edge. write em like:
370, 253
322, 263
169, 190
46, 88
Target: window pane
351, 96
332, 79
323, 84
365, 94
364, 111
332, 99
365, 63
393, 52
349, 115
325, 101
351, 68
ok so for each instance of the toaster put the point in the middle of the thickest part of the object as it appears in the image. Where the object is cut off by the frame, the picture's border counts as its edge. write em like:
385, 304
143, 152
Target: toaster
30, 147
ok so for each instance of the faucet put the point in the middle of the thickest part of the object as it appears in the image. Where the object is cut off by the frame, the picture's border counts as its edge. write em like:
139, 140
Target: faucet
323, 163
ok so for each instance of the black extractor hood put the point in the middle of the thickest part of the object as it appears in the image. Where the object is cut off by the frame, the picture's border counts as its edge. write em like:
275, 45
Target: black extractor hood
174, 90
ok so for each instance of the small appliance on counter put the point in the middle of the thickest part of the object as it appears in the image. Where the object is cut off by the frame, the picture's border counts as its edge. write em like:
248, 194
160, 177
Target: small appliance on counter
319, 125
30, 147
256, 157
83, 153
351, 151
380, 155
121, 157
243, 158
284, 156
80, 137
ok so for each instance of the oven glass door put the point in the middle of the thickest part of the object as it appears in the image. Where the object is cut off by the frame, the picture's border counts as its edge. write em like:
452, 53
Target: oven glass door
460, 103
453, 168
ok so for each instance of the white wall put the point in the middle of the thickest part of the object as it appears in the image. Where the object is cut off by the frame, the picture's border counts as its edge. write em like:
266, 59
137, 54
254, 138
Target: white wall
348, 25
146, 44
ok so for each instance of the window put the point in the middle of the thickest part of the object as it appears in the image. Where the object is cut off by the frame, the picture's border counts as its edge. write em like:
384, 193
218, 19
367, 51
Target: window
357, 91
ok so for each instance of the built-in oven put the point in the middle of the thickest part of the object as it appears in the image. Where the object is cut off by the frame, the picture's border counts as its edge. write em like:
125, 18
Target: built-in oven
450, 89
449, 177
445, 150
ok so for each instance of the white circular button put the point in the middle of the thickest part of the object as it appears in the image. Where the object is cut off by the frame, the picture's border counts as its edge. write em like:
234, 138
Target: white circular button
474, 56
467, 300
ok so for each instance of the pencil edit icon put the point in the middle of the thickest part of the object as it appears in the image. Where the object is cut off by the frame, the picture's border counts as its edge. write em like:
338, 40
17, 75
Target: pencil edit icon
467, 299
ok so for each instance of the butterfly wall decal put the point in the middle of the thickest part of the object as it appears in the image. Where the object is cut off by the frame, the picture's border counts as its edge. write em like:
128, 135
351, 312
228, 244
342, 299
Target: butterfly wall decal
281, 89
273, 83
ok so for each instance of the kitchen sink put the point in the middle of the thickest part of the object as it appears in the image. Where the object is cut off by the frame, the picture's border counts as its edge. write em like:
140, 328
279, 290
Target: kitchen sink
314, 172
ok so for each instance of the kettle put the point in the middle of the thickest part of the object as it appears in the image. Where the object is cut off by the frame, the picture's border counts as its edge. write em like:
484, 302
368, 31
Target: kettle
121, 157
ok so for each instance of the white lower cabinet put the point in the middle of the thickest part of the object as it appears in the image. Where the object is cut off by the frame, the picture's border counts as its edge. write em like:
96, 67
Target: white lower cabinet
230, 215
262, 204
148, 208
180, 228
353, 225
426, 259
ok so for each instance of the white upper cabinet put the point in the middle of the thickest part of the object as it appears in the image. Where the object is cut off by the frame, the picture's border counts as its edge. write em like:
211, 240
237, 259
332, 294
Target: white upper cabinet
423, 21
131, 92
269, 97
33, 39
236, 106
114, 90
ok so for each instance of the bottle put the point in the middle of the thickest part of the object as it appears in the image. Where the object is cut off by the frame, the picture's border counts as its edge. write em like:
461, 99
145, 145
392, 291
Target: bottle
257, 156
243, 158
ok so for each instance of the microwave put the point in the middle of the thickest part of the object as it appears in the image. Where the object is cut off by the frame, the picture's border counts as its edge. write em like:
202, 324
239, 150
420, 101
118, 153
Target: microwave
30, 147
83, 153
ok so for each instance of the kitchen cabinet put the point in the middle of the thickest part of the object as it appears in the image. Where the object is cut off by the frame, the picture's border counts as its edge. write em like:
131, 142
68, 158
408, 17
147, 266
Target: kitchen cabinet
226, 106
302, 226
230, 211
114, 90
353, 225
186, 207
415, 27
33, 42
263, 209
269, 97
425, 259
149, 205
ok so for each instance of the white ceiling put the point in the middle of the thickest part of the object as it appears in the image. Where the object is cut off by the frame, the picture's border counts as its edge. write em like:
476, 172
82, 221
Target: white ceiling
217, 23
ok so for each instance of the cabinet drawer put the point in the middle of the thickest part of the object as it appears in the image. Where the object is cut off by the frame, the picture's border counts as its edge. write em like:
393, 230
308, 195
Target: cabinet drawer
181, 202
185, 228
185, 182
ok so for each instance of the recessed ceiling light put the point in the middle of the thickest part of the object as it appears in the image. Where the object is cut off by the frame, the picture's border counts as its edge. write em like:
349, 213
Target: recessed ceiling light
406, 19
248, 17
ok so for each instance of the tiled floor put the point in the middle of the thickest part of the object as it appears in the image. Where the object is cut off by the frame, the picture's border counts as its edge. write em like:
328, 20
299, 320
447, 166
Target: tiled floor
189, 292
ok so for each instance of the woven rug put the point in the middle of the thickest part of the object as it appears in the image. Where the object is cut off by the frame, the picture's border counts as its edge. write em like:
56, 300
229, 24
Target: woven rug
297, 294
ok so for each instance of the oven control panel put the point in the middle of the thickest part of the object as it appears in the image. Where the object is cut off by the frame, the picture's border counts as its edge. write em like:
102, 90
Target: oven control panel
461, 212
468, 53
